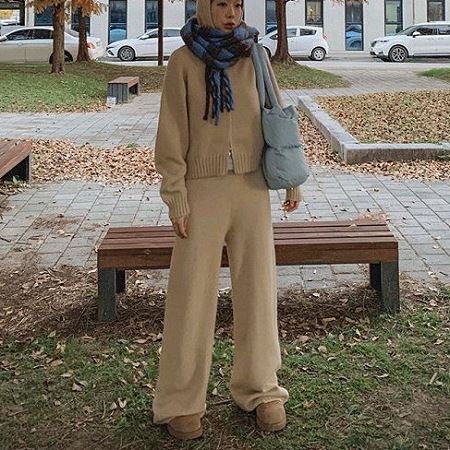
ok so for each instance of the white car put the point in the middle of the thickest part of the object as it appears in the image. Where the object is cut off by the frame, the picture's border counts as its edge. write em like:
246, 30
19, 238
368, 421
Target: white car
146, 45
424, 39
302, 41
35, 45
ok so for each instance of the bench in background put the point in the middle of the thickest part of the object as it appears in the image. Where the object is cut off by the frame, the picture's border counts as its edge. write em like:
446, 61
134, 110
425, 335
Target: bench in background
122, 86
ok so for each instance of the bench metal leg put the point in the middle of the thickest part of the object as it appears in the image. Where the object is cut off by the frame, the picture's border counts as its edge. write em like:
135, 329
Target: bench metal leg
106, 295
21, 172
390, 287
120, 281
375, 276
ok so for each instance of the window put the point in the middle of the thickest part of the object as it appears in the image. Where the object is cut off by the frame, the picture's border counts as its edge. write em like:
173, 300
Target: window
41, 33
393, 16
76, 22
426, 30
171, 33
151, 14
314, 12
190, 9
10, 13
291, 32
45, 18
117, 20
20, 35
435, 10
307, 32
271, 16
444, 29
353, 25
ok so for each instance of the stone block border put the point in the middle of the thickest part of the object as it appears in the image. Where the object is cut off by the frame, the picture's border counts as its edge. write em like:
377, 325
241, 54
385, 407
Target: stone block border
351, 151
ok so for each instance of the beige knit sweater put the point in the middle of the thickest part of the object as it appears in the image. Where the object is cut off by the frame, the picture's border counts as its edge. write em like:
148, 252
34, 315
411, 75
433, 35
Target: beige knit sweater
188, 146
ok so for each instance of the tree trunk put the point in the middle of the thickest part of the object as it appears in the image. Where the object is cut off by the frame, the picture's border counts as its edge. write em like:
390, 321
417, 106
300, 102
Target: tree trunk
58, 38
282, 54
83, 53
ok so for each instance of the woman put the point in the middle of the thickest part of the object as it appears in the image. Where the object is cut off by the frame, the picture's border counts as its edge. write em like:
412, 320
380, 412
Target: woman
208, 151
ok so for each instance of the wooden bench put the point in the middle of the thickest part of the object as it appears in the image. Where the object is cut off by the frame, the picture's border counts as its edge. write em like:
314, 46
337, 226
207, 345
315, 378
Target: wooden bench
15, 160
122, 86
343, 242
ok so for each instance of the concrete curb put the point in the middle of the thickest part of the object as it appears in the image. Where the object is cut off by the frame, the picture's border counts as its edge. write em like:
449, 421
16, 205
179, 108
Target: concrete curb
351, 151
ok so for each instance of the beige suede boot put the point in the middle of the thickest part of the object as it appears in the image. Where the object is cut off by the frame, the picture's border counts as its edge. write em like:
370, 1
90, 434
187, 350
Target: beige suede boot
186, 427
271, 416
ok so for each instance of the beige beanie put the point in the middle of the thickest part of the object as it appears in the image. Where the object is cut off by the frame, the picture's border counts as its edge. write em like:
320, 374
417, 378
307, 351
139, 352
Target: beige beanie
203, 14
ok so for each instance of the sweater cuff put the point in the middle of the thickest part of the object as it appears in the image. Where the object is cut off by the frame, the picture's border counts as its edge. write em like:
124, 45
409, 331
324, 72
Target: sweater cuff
178, 207
293, 194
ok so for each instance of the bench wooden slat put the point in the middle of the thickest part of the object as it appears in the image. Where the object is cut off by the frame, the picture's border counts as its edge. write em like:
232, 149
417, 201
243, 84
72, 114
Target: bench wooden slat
160, 258
372, 231
125, 232
13, 153
300, 239
277, 226
125, 80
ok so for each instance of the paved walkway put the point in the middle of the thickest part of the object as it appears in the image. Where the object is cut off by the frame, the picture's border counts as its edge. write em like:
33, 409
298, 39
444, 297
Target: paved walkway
63, 222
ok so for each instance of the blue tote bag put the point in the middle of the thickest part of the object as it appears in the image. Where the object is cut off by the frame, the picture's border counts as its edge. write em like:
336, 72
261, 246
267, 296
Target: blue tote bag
284, 163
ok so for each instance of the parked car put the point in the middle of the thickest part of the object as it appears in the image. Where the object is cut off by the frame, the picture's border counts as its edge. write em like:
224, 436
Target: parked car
146, 45
6, 28
424, 39
302, 41
35, 45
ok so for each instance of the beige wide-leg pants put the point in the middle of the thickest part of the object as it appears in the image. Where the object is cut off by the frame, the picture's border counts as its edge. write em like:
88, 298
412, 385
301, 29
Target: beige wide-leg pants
234, 209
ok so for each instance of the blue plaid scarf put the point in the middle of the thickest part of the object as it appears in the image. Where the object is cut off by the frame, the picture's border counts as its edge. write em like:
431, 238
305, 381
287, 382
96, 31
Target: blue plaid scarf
219, 50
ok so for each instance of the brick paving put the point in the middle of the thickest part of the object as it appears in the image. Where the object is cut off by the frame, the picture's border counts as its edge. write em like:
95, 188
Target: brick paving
63, 222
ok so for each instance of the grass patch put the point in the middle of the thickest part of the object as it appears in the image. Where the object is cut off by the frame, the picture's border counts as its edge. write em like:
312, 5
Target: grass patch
83, 87
298, 76
357, 379
400, 117
442, 74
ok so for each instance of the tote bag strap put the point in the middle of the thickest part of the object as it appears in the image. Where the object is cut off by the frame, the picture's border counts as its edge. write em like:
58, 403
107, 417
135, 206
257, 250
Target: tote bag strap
263, 80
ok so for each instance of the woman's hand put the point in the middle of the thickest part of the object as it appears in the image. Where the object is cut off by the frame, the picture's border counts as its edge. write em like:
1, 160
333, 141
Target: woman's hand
290, 205
180, 226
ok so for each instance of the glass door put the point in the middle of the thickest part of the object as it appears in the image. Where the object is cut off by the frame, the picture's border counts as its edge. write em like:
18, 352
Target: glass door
117, 20
353, 26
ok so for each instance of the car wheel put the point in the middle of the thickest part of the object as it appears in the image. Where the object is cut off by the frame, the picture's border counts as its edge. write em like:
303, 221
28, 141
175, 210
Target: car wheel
398, 54
126, 54
67, 57
318, 54
269, 53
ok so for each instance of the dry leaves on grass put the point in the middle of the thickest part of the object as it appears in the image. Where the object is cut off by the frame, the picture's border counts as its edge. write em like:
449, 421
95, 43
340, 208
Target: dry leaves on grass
318, 152
400, 117
62, 301
55, 160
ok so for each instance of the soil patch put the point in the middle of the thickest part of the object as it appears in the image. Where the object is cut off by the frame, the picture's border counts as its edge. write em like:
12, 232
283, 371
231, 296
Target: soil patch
63, 300
399, 117
319, 153
56, 160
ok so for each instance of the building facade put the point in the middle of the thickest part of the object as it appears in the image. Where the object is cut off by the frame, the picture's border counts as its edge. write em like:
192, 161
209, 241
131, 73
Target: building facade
349, 25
